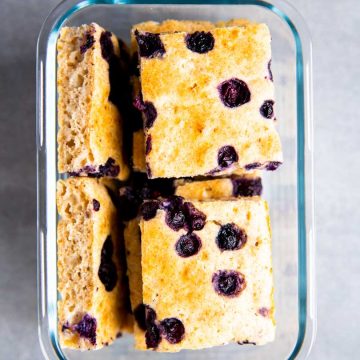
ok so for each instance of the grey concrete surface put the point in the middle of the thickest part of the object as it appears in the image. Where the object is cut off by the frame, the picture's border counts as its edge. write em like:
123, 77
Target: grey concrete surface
335, 30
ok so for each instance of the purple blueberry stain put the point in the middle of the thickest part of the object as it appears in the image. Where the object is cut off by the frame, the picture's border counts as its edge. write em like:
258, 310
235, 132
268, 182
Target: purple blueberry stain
148, 209
173, 330
230, 237
149, 44
148, 110
188, 245
107, 270
86, 328
264, 311
234, 93
200, 42
65, 326
266, 109
88, 42
253, 166
96, 205
227, 155
243, 186
272, 165
148, 145
269, 71
109, 168
228, 283
148, 170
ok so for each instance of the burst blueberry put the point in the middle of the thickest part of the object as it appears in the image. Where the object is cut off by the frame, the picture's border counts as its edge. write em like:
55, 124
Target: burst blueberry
234, 93
88, 42
86, 328
173, 330
200, 42
230, 237
150, 45
228, 283
188, 245
227, 155
96, 205
266, 109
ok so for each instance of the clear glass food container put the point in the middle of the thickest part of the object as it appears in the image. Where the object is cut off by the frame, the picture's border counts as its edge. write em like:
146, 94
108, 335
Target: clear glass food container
289, 190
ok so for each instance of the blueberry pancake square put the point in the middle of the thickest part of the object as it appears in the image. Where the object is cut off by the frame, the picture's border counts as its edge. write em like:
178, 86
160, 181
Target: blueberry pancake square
92, 85
206, 273
92, 310
208, 101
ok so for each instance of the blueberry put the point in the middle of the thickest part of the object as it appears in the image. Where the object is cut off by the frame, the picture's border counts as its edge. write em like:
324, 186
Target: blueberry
266, 109
139, 315
228, 283
107, 270
148, 110
230, 237
150, 114
87, 43
227, 155
173, 330
96, 205
148, 209
243, 186
270, 72
150, 45
152, 336
234, 93
195, 219
200, 42
188, 245
252, 166
148, 145
148, 170
87, 328
272, 165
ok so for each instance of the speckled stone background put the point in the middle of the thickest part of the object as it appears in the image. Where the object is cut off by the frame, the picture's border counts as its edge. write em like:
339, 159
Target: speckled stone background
336, 39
